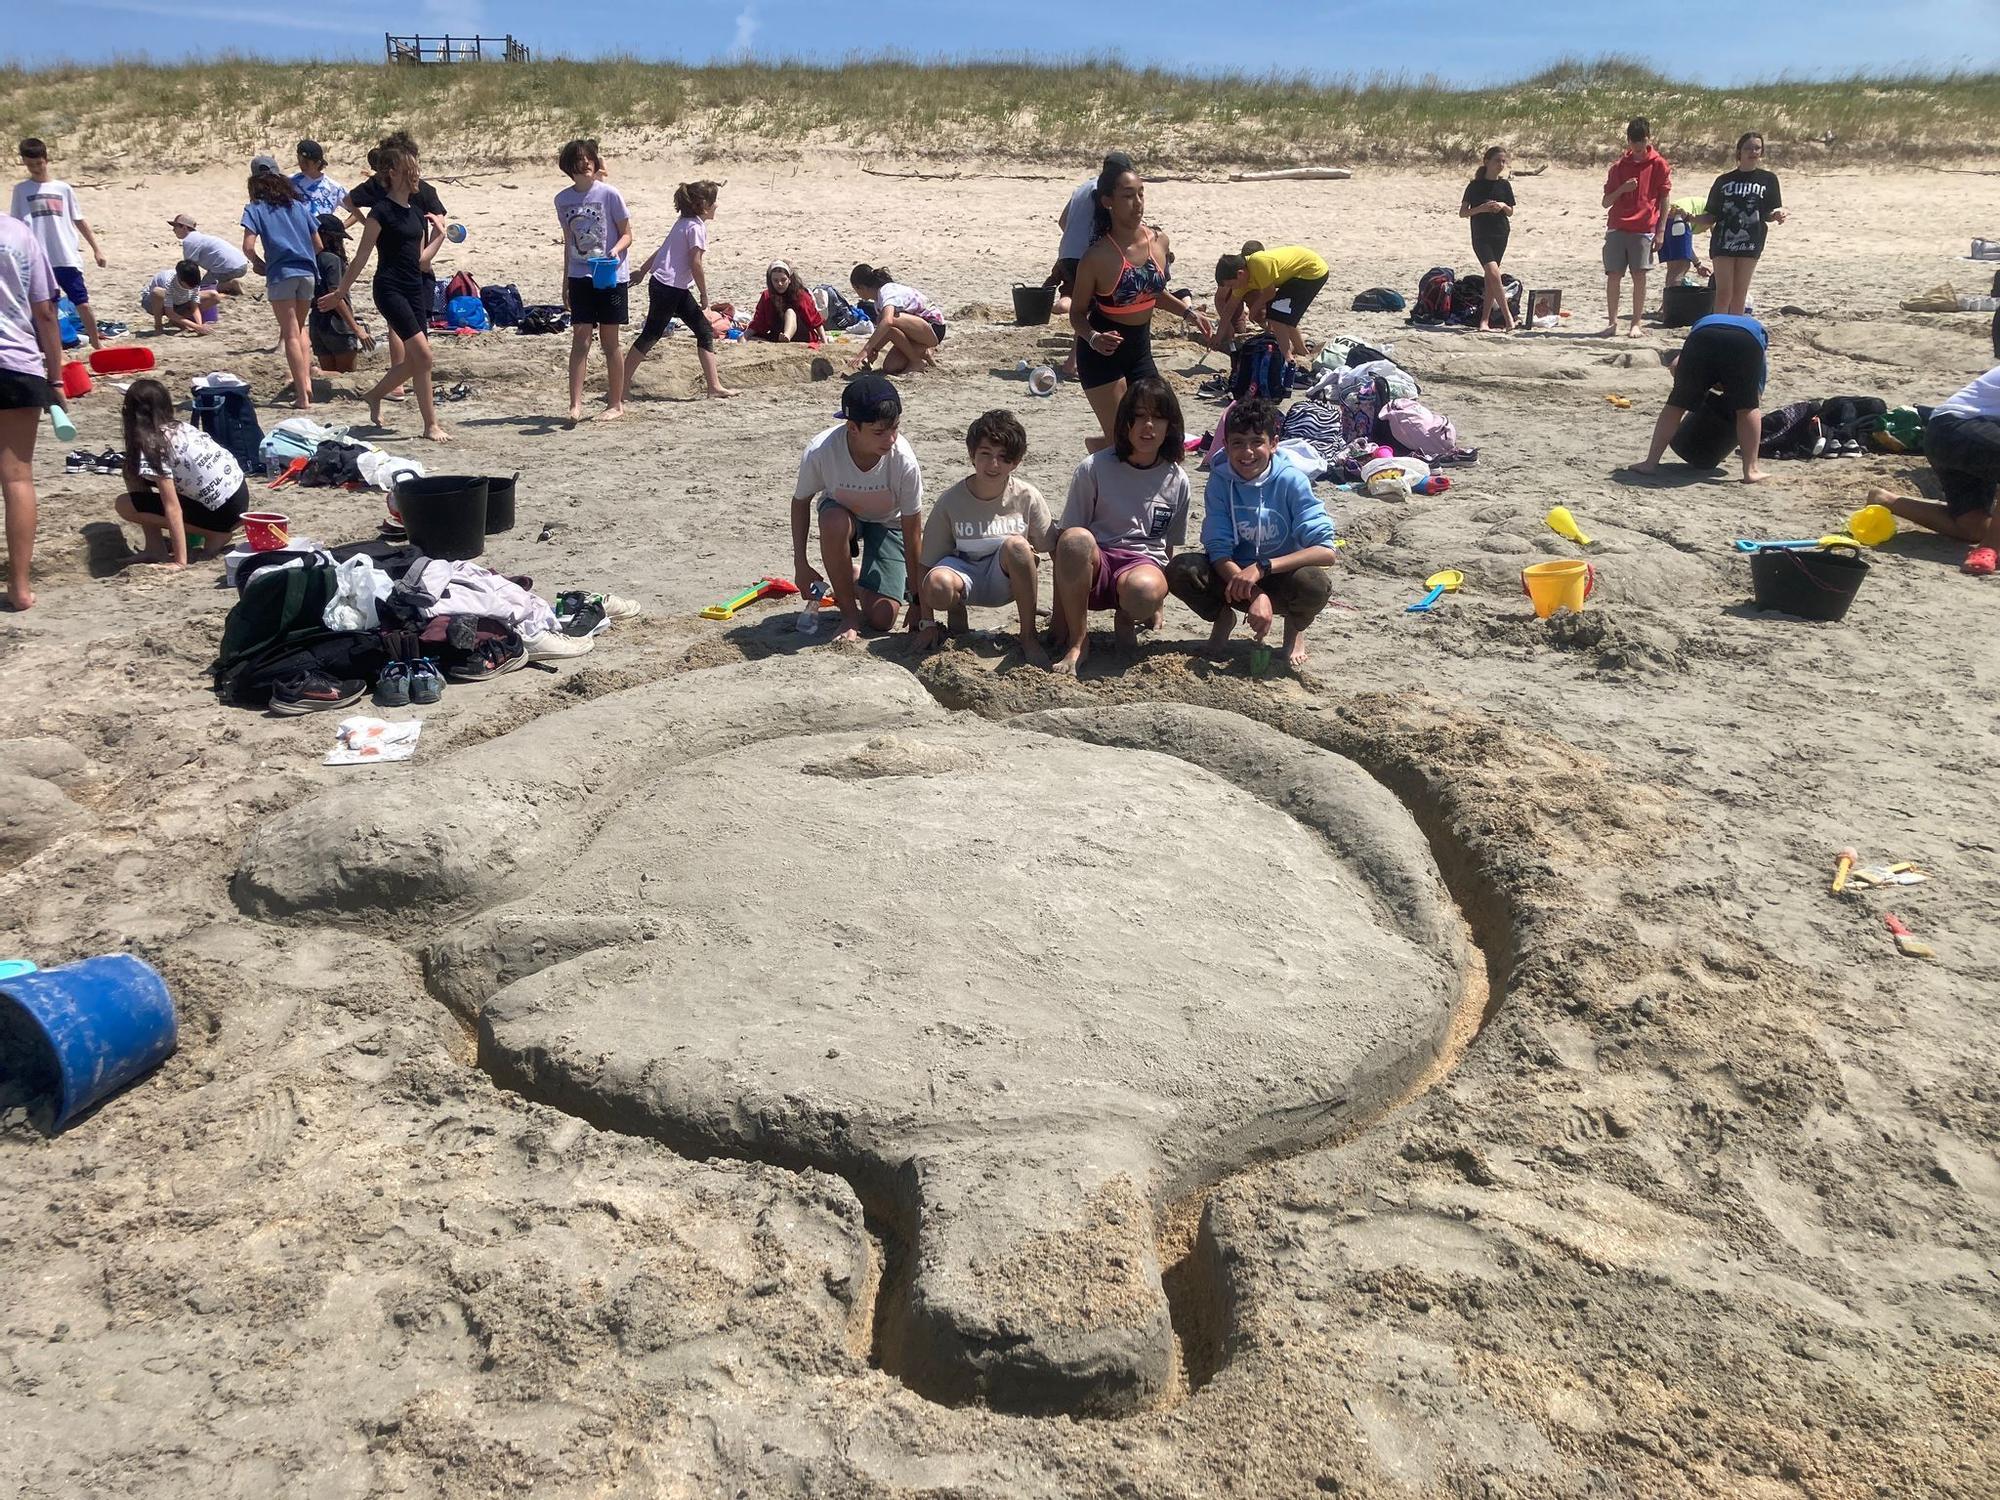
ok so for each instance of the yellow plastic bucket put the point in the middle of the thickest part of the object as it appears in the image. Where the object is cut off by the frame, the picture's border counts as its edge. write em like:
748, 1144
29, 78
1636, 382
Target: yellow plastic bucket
1872, 525
1558, 585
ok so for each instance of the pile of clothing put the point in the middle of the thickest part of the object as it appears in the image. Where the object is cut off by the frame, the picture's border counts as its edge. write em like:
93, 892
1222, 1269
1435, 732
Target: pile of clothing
1361, 403
313, 629
1841, 427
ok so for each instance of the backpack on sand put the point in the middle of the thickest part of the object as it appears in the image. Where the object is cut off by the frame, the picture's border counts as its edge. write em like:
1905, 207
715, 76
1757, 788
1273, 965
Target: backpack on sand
278, 629
1793, 431
1468, 297
1434, 296
836, 309
1260, 368
225, 414
1379, 299
503, 305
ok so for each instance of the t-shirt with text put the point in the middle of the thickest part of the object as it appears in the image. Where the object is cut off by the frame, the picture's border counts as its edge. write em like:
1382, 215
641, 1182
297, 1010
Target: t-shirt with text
894, 487
205, 475
963, 524
590, 218
1140, 510
1741, 203
49, 209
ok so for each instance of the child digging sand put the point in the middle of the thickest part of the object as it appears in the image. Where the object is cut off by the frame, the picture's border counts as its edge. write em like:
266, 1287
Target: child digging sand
1266, 541
179, 481
982, 535
1127, 510
864, 477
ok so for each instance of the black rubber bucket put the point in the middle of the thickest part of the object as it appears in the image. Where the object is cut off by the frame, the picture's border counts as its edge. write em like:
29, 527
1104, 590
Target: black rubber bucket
1682, 305
1706, 436
1033, 304
500, 504
1814, 585
444, 515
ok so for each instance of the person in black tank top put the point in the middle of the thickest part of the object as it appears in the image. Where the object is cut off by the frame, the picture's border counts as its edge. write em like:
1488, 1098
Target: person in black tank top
408, 241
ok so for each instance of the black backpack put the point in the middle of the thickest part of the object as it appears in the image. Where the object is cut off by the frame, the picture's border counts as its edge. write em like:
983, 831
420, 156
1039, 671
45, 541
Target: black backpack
836, 309
1259, 367
227, 416
1793, 431
543, 317
503, 305
277, 629
1434, 296
1379, 299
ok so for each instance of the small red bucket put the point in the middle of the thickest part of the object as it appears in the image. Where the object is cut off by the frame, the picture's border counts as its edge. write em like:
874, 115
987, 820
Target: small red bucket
125, 359
75, 380
267, 530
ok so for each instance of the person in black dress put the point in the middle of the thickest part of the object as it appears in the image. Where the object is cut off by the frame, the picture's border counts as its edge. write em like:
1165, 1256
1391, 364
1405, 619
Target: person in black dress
372, 191
1489, 205
408, 238
1742, 206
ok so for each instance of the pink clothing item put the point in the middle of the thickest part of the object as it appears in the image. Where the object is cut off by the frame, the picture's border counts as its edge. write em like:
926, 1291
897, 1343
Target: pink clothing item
674, 266
465, 588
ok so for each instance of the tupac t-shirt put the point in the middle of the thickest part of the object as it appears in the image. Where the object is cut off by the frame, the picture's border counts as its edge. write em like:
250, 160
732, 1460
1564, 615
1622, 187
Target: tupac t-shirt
1741, 203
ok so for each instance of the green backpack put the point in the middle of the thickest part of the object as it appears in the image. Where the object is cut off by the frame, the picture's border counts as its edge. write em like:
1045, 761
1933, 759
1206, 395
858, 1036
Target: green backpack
1899, 430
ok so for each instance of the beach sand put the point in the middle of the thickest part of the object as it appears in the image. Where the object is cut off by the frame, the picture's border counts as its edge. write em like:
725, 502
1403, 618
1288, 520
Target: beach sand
1704, 1206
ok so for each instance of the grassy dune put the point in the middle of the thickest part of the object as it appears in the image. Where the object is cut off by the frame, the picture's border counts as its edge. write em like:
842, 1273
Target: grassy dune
138, 116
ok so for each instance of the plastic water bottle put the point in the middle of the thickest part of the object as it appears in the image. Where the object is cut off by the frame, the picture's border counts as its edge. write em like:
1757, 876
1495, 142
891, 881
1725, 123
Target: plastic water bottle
808, 621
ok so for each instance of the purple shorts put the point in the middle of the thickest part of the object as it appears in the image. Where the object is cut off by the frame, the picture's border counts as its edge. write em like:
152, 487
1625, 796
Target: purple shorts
1113, 563
70, 279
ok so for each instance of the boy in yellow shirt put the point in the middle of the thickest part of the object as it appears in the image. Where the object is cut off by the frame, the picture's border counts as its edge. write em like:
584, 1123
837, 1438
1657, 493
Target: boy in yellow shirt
1274, 286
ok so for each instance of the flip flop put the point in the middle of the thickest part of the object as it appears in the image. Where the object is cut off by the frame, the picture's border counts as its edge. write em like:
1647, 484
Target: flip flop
1981, 562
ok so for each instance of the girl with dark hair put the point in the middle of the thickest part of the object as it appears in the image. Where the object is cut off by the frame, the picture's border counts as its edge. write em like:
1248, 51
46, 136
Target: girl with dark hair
677, 284
1488, 202
786, 313
408, 239
373, 191
594, 225
906, 324
277, 215
1742, 205
1127, 511
178, 480
1119, 281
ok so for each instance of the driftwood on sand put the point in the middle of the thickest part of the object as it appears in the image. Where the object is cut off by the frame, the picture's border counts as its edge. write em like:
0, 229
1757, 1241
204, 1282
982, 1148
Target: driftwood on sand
1294, 174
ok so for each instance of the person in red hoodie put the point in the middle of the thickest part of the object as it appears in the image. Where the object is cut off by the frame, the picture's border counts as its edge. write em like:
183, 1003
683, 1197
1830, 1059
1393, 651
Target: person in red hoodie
1635, 199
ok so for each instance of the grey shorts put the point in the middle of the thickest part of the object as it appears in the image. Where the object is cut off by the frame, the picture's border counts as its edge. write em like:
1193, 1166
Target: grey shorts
986, 582
1627, 250
288, 288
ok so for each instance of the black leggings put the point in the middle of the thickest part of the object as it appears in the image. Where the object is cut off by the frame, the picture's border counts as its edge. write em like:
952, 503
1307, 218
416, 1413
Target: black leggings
665, 303
1132, 358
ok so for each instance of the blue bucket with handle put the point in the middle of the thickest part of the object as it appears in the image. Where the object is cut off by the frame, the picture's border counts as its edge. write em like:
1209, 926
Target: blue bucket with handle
106, 1021
604, 271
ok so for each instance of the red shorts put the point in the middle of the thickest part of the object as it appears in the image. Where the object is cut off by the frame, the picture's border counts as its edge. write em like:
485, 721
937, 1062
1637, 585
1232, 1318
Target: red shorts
1113, 563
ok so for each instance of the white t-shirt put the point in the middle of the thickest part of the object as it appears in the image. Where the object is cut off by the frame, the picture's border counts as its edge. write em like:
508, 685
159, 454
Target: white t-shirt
179, 293
907, 299
893, 488
203, 471
216, 257
1980, 399
49, 208
1080, 228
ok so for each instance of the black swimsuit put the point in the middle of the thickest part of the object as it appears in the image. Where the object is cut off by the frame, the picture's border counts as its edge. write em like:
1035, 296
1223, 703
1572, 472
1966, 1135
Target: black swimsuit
402, 286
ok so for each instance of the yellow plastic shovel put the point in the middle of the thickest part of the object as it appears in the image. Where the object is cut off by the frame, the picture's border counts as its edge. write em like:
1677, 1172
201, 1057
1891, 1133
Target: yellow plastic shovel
1447, 581
1563, 524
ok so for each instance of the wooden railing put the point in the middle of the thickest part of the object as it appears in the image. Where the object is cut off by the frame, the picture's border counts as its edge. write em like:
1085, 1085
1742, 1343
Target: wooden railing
454, 49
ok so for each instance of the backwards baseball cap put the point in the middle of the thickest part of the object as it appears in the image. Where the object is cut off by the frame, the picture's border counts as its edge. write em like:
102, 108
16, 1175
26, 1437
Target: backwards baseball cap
310, 151
870, 397
262, 164
181, 222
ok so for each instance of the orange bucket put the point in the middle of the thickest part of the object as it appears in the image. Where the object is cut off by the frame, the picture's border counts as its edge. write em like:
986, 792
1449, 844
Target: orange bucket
266, 530
1558, 585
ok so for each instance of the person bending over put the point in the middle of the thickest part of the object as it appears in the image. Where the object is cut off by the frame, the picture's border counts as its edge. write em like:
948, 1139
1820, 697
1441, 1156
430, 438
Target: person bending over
1266, 540
908, 328
179, 482
1126, 512
1273, 287
862, 477
175, 296
1723, 352
982, 535
1962, 443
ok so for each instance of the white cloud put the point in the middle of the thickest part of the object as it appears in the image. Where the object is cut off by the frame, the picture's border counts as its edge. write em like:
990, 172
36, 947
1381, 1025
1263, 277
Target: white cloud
281, 19
746, 29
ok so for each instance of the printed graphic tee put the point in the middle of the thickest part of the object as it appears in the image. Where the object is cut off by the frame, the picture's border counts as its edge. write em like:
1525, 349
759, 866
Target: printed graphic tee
204, 474
1742, 204
49, 209
962, 523
590, 220
892, 489
1140, 510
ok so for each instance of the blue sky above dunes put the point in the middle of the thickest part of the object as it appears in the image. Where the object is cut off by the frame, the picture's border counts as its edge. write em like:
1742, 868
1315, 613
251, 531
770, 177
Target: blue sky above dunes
1456, 39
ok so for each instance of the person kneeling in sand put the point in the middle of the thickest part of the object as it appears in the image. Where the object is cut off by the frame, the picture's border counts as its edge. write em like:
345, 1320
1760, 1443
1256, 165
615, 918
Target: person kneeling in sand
175, 296
982, 535
1726, 352
1962, 442
179, 482
1266, 540
864, 477
1127, 511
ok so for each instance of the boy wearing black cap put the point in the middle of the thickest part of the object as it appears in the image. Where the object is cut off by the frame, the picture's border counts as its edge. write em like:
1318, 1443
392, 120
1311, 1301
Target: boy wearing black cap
335, 335
322, 194
870, 496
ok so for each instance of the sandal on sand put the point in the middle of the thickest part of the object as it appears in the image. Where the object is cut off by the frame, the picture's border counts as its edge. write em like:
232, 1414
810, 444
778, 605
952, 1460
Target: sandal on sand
1981, 562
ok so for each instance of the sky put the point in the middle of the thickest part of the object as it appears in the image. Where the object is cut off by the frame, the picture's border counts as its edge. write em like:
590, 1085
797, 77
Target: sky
1462, 41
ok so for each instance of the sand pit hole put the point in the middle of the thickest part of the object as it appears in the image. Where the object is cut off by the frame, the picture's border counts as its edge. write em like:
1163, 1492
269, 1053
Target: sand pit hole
1031, 988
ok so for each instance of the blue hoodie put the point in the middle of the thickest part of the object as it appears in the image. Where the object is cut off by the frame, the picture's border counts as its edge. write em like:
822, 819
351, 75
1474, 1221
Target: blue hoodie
1250, 519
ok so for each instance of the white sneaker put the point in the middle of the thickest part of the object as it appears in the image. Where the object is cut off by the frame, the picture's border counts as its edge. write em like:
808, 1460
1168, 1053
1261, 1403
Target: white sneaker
553, 643
619, 608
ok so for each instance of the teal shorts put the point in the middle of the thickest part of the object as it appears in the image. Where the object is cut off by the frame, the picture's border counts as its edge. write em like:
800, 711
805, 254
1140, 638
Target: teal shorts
879, 544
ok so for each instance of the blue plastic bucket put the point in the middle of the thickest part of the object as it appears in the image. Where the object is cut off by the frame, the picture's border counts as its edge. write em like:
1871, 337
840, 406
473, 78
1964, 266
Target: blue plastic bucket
107, 1021
604, 271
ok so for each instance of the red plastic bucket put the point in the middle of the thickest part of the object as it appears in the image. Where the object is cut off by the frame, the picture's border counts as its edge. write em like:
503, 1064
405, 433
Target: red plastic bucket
126, 359
75, 380
266, 530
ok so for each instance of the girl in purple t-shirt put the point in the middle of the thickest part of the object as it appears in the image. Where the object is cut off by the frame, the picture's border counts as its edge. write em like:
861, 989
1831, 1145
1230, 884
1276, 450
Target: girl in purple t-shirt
677, 284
